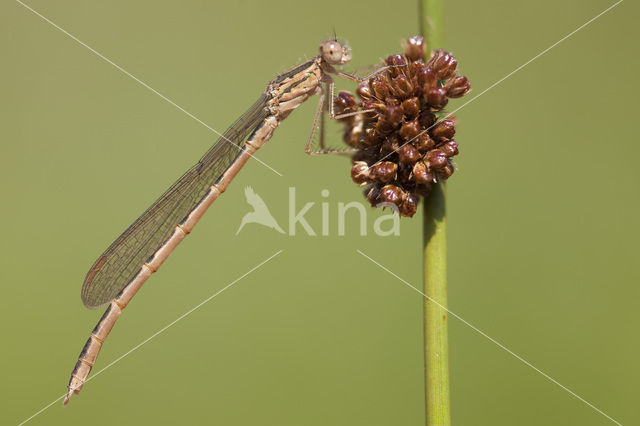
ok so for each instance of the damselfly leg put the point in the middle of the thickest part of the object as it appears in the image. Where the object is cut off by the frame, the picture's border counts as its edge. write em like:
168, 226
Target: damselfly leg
322, 110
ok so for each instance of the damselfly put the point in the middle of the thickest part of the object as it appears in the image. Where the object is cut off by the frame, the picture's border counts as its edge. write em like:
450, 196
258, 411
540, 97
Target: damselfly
123, 268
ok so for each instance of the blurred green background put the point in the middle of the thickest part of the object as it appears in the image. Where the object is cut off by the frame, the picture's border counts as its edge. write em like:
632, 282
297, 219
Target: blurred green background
543, 220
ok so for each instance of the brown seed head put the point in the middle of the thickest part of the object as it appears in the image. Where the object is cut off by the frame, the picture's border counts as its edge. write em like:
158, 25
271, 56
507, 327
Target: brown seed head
400, 135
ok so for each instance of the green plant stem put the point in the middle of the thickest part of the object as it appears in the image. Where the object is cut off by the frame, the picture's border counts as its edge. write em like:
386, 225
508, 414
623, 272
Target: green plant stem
436, 349
436, 346
431, 22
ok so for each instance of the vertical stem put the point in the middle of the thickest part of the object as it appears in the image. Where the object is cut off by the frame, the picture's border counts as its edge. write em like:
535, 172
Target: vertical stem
431, 22
436, 351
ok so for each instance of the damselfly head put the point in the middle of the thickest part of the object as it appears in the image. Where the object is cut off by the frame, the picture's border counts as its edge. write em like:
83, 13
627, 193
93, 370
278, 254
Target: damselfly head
334, 53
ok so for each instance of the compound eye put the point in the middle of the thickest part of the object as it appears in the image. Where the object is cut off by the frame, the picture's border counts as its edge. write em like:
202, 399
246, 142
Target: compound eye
332, 52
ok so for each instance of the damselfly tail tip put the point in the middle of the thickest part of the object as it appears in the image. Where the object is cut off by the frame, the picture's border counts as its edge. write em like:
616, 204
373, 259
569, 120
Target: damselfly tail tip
69, 394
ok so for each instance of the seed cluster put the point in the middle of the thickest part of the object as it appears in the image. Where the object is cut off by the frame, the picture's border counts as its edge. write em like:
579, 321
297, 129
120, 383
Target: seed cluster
402, 146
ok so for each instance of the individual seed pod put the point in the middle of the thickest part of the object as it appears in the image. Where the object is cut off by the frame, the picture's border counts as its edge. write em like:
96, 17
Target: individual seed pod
360, 172
414, 68
450, 148
445, 171
394, 113
436, 97
409, 205
397, 63
458, 87
436, 159
415, 48
443, 64
384, 126
409, 130
427, 77
421, 174
373, 137
401, 87
380, 87
384, 171
423, 142
391, 194
411, 107
408, 154
397, 60
443, 130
